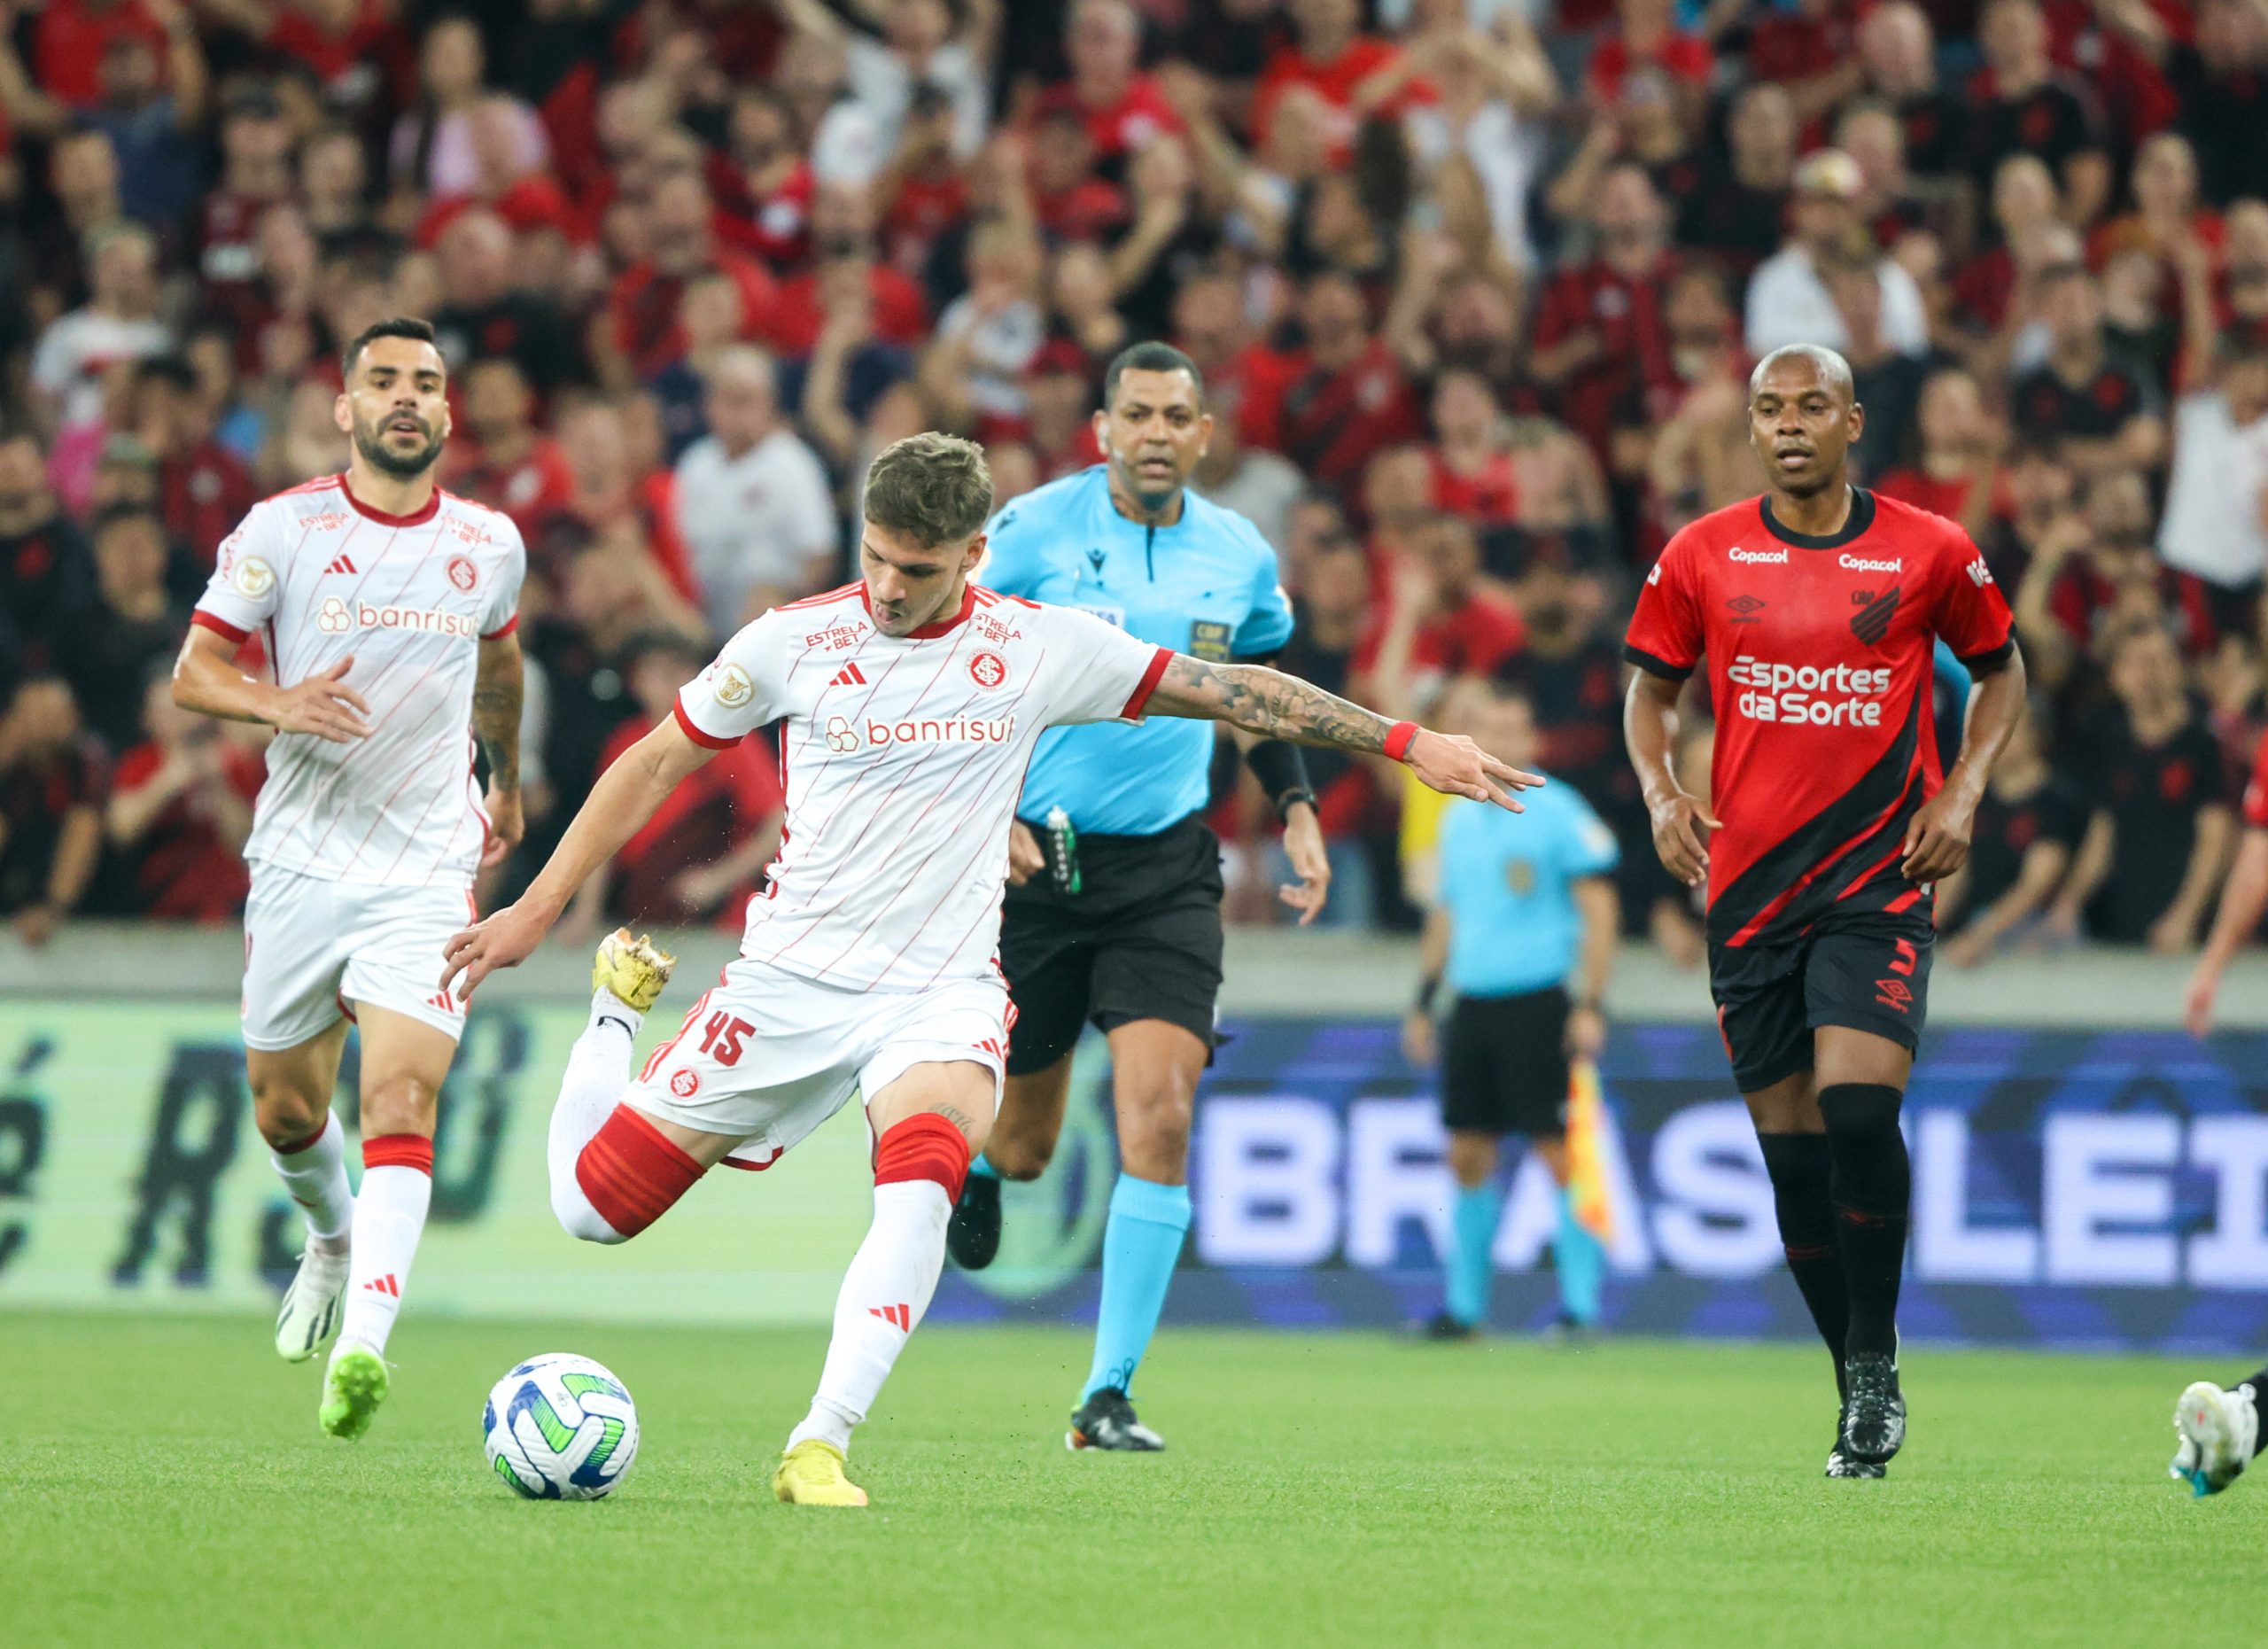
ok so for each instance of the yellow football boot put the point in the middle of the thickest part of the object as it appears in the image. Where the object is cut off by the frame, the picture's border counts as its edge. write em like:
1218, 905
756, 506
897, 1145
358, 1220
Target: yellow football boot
631, 971
810, 1473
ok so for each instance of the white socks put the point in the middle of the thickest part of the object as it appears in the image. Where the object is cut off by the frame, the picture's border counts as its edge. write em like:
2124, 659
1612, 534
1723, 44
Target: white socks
598, 1071
315, 1177
389, 1218
884, 1294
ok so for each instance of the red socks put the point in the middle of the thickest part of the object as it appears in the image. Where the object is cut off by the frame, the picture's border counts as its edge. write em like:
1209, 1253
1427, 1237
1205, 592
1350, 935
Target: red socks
925, 1146
631, 1173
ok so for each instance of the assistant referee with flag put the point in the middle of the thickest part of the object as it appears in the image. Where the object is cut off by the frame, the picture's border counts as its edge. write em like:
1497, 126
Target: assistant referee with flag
1114, 907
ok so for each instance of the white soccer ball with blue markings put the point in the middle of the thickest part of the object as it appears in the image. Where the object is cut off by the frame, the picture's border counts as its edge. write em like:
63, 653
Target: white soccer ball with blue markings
561, 1427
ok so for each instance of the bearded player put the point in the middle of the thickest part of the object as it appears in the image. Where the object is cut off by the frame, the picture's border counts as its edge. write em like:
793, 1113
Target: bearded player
389, 608
1817, 606
912, 700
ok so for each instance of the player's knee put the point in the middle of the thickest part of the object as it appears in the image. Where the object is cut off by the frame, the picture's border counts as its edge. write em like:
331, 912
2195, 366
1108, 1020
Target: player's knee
400, 1104
1872, 1173
578, 1217
1019, 1156
287, 1114
1859, 1113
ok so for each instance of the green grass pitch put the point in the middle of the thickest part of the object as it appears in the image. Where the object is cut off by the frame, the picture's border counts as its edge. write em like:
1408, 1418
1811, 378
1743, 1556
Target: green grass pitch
162, 1482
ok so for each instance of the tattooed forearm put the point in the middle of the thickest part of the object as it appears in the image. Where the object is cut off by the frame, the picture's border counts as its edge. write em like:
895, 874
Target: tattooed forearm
496, 712
1266, 702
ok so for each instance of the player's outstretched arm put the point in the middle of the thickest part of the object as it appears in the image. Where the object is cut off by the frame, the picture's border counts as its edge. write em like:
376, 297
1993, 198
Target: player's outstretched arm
618, 807
207, 680
1268, 701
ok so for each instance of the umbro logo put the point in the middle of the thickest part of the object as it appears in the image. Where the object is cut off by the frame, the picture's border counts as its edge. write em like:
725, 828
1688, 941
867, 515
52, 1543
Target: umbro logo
384, 1285
1744, 608
899, 1317
849, 675
339, 563
1871, 623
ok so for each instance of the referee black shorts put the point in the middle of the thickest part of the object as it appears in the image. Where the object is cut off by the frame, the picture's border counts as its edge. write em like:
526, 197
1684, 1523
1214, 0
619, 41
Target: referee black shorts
1141, 940
1505, 1066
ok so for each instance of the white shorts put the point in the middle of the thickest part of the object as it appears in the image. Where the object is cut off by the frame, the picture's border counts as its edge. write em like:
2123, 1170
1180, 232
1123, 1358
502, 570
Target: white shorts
769, 1055
313, 948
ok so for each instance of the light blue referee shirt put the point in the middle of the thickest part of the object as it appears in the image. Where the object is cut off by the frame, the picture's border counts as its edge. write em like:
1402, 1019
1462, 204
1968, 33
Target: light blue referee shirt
1205, 586
1508, 882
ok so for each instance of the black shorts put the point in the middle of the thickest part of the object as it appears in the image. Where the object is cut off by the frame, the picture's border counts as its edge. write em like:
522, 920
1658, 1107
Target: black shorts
1141, 940
1871, 972
1505, 1067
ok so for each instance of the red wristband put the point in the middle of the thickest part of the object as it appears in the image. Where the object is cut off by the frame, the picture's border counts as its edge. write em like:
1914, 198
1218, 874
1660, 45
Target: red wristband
1398, 738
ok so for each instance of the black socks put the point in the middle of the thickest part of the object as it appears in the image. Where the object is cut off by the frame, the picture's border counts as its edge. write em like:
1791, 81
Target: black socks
1874, 1191
1799, 1164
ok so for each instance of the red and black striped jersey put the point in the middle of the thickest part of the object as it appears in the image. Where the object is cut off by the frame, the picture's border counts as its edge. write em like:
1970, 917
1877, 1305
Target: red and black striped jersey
1820, 667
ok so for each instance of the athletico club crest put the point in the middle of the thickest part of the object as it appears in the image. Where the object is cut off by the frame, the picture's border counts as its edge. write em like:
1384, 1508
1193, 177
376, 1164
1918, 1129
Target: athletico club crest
463, 574
988, 669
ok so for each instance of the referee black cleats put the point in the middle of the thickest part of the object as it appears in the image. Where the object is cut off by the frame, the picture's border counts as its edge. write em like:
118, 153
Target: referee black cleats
973, 1233
1841, 1463
1105, 1420
1873, 1416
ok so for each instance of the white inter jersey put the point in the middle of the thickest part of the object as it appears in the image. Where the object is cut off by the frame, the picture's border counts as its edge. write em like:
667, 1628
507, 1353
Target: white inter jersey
902, 759
319, 575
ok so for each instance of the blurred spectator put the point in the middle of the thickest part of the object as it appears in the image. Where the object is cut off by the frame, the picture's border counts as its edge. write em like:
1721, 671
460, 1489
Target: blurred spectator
921, 46
753, 501
433, 149
46, 578
617, 501
180, 810
2114, 581
702, 853
985, 338
204, 489
1600, 332
1121, 106
120, 322
2105, 412
1257, 484
2217, 80
1897, 58
1441, 621
1347, 397
1492, 97
1792, 298
136, 624
2159, 840
1742, 204
2020, 102
2216, 522
679, 244
2027, 829
53, 779
151, 107
1645, 35
1956, 465
255, 175
498, 456
481, 314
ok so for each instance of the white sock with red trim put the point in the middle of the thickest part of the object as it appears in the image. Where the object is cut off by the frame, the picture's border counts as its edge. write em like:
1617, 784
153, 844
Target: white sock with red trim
919, 1167
598, 1073
314, 1172
389, 1218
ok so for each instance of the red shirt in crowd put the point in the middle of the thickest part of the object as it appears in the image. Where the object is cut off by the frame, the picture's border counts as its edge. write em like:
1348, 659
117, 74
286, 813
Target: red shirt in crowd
1681, 57
1475, 638
711, 812
776, 225
1332, 423
1635, 353
69, 39
372, 62
1118, 129
1490, 496
1335, 82
204, 493
532, 491
186, 873
644, 305
901, 313
1820, 674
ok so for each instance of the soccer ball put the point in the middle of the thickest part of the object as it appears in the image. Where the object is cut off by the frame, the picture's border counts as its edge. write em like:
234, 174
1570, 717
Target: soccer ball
560, 1427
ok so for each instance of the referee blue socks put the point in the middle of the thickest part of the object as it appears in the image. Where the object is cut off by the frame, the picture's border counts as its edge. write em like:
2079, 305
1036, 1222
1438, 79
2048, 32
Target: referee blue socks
1472, 1232
981, 1166
1139, 1247
1579, 1258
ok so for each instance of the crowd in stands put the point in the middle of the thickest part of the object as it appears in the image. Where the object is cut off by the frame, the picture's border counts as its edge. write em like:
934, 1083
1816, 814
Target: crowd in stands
1475, 285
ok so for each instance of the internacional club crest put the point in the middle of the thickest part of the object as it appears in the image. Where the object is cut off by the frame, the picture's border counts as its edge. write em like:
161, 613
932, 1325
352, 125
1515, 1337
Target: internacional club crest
988, 669
463, 574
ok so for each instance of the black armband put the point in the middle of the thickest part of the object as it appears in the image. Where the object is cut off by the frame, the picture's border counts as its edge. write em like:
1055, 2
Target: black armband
1281, 772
